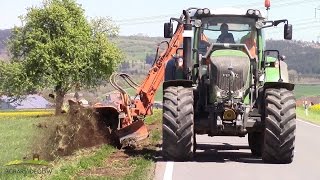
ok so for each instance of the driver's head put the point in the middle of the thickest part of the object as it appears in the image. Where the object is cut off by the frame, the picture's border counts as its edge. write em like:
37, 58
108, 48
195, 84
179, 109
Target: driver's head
224, 28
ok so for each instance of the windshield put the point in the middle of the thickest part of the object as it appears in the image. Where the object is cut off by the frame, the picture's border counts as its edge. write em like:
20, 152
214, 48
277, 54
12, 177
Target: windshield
230, 29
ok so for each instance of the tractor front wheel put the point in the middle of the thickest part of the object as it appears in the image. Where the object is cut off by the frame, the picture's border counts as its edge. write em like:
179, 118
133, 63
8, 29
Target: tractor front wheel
178, 122
280, 126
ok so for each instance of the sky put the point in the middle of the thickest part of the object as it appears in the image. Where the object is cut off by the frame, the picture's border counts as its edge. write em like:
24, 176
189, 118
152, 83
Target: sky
146, 17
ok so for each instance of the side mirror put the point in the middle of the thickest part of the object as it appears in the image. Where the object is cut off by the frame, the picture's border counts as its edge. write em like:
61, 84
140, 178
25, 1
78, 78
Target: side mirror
282, 57
288, 31
168, 30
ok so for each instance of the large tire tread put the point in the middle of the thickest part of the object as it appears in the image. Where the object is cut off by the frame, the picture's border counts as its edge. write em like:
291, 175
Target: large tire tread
280, 126
177, 131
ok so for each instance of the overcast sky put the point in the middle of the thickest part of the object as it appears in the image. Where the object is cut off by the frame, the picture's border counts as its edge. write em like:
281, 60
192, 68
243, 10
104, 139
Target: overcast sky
147, 17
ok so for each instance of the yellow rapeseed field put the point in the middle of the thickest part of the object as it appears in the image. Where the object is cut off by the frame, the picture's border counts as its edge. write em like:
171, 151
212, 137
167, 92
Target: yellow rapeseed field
27, 113
315, 108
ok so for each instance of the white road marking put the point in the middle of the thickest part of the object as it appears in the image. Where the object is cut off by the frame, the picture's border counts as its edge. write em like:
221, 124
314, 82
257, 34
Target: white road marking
311, 124
168, 172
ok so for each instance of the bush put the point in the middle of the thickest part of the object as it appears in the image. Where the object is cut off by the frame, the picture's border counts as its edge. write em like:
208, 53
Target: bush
315, 108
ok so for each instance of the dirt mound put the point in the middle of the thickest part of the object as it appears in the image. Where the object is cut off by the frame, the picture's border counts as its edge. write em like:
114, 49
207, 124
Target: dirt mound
81, 130
62, 135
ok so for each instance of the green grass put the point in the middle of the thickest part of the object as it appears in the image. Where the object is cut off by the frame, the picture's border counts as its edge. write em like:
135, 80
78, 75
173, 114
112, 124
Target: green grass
68, 169
304, 90
143, 165
313, 117
17, 138
156, 116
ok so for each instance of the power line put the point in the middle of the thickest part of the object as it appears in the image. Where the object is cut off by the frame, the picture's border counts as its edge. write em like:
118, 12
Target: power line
142, 22
144, 18
169, 15
282, 3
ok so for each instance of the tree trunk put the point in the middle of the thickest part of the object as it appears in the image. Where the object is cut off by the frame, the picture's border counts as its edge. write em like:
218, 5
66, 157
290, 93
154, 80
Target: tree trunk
59, 101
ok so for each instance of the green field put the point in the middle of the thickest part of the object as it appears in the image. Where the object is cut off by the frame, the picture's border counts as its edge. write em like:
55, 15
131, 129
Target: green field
302, 90
17, 139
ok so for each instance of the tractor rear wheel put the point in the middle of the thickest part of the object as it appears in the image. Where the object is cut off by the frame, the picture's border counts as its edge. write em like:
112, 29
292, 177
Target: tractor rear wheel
280, 126
255, 143
178, 122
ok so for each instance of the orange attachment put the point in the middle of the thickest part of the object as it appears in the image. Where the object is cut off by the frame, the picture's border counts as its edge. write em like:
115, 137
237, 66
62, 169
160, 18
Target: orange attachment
137, 131
129, 112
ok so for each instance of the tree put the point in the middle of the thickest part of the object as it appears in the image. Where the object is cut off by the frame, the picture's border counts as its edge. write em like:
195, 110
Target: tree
14, 80
59, 48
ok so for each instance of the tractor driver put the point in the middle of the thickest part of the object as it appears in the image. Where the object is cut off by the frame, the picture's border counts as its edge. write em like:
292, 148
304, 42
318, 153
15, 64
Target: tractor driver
225, 36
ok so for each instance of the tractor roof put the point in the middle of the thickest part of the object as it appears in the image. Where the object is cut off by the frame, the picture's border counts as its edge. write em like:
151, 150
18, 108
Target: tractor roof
227, 11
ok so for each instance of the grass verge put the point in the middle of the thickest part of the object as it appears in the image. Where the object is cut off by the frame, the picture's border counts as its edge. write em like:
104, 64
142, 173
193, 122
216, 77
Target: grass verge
106, 162
69, 168
313, 117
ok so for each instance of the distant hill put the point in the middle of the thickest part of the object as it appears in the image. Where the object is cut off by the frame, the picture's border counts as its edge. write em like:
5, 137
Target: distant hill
138, 47
4, 35
304, 57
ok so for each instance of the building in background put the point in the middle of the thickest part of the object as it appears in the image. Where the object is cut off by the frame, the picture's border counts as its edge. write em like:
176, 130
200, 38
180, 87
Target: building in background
33, 101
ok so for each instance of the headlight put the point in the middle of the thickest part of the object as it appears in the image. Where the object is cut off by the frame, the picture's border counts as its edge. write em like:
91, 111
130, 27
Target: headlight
180, 62
259, 24
200, 11
253, 12
250, 11
206, 11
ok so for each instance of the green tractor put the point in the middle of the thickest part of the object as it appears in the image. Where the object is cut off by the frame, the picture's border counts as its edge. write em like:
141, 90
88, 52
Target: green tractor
226, 83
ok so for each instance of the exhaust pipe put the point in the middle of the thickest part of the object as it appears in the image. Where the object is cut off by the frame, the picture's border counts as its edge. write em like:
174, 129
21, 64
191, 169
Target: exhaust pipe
187, 35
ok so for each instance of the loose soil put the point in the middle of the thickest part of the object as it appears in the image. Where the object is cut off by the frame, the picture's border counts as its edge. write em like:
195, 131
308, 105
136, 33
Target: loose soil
80, 128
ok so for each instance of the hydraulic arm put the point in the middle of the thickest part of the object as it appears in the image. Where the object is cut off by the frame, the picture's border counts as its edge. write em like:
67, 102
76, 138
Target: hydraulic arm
130, 113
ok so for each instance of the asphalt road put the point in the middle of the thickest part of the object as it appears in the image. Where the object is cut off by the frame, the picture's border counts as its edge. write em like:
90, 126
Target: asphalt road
230, 158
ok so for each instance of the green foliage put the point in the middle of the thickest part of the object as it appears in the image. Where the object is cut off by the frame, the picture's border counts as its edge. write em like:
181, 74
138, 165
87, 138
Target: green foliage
58, 45
104, 25
59, 48
13, 79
